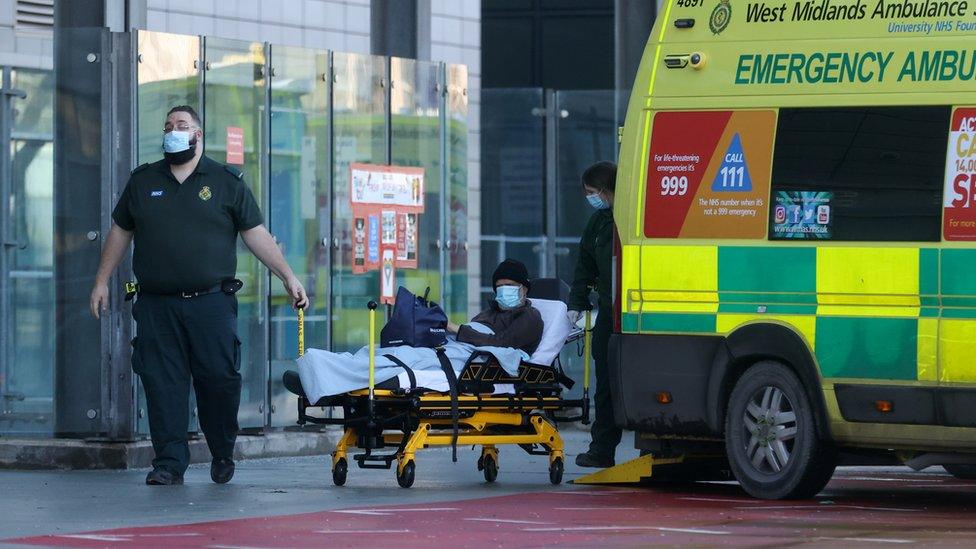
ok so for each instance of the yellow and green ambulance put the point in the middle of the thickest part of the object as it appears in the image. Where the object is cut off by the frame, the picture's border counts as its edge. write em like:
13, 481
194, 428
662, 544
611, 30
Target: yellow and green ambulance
796, 211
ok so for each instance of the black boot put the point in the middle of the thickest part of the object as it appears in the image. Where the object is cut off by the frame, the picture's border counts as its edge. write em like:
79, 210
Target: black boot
589, 459
221, 470
163, 477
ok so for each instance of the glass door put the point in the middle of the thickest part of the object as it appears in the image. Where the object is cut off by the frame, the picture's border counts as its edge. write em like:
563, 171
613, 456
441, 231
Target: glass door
300, 211
415, 141
359, 113
168, 74
235, 110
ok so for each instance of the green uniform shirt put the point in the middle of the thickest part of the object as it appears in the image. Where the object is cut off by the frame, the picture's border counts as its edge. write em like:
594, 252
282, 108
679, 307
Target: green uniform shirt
185, 234
593, 268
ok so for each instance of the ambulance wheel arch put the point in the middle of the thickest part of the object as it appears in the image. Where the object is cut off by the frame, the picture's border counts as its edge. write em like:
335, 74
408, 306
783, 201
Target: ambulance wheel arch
752, 344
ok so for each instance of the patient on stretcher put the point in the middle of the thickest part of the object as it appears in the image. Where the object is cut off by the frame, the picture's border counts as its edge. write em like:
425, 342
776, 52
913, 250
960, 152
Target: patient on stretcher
510, 330
511, 319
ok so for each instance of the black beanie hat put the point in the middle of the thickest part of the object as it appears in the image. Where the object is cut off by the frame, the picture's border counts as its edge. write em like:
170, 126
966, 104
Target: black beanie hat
512, 270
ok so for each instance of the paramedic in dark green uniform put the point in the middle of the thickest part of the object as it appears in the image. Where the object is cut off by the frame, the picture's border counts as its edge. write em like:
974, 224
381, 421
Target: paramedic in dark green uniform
184, 214
593, 270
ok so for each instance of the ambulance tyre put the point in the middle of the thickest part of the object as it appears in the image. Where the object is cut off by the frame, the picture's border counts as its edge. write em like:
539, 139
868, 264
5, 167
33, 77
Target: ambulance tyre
490, 467
771, 438
405, 478
556, 471
339, 471
964, 471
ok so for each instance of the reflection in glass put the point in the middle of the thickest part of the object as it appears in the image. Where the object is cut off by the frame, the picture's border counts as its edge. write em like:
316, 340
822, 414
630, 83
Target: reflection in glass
299, 214
415, 140
456, 216
359, 135
27, 383
235, 101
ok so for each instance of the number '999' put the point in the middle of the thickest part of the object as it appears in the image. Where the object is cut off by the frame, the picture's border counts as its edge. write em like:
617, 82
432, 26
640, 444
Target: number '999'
674, 186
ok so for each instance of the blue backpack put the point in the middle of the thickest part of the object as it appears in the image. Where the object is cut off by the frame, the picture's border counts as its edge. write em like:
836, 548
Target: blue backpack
416, 321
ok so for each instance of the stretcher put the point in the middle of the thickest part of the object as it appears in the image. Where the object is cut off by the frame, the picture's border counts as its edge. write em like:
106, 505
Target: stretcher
392, 425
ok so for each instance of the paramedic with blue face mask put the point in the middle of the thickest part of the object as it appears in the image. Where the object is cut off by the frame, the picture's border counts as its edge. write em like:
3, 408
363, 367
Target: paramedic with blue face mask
184, 214
593, 270
511, 317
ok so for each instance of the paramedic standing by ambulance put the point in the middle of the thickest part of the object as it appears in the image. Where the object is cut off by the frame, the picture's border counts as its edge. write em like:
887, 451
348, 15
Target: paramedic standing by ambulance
184, 213
593, 269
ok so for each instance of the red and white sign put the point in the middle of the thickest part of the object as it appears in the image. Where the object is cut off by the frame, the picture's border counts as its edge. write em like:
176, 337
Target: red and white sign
235, 146
959, 221
386, 203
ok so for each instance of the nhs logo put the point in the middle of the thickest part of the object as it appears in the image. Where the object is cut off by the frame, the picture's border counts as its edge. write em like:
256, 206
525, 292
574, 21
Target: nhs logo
155, 194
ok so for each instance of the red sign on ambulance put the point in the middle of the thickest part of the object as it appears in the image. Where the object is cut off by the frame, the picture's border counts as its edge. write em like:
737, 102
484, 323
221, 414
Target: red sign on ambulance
959, 221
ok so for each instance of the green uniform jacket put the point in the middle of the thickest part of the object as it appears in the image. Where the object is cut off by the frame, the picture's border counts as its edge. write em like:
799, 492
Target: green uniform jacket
593, 268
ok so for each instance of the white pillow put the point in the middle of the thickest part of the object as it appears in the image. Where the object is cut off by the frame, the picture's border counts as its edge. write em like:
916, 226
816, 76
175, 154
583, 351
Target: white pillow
555, 328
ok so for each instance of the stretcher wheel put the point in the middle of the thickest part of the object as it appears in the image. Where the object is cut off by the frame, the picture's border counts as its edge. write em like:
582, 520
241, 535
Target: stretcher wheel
339, 471
490, 467
556, 471
405, 479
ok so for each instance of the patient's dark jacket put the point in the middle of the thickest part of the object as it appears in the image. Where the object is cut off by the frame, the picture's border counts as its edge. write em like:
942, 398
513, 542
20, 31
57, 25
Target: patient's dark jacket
520, 328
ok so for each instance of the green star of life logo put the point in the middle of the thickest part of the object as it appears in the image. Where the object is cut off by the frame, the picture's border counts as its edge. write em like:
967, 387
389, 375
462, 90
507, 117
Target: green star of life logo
720, 17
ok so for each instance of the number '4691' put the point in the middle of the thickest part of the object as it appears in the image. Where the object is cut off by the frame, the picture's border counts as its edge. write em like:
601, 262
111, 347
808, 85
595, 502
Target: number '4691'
689, 3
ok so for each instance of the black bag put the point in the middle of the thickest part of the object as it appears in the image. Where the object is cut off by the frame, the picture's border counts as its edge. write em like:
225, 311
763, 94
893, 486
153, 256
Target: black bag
415, 321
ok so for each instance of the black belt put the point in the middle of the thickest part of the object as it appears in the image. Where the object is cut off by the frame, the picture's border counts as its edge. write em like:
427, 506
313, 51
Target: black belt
229, 287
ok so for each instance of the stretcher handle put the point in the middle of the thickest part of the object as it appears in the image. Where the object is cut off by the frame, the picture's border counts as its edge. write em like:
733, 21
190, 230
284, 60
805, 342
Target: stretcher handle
587, 348
372, 349
301, 332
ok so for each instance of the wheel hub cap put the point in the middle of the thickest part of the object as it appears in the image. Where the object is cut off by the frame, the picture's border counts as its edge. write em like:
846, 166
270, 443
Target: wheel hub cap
770, 428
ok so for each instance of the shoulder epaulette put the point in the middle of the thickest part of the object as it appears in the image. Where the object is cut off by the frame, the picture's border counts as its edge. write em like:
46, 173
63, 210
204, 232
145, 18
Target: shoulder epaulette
139, 168
238, 174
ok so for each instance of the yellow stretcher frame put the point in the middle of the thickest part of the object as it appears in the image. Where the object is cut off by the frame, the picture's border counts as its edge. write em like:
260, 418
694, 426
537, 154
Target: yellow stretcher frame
489, 421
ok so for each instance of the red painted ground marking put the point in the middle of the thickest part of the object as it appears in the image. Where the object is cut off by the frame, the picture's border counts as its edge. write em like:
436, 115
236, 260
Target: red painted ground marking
850, 512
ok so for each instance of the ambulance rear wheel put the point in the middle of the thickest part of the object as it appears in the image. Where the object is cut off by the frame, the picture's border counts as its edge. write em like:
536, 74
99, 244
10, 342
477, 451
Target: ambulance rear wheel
339, 471
405, 477
771, 436
556, 471
490, 468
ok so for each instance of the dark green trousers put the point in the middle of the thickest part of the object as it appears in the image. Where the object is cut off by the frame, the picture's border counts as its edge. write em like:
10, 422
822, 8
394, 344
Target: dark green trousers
180, 341
606, 435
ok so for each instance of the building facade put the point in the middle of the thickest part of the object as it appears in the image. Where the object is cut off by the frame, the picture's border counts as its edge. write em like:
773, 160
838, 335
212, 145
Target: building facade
301, 133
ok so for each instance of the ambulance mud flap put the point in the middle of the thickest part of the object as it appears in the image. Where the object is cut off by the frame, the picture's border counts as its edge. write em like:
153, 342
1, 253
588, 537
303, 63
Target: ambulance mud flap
643, 366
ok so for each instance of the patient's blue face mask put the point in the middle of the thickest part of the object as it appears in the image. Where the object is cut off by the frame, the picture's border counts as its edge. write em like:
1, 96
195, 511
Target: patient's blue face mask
597, 201
508, 297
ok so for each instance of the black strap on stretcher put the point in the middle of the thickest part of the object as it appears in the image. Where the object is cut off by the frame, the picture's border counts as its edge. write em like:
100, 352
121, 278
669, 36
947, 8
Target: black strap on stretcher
410, 374
452, 382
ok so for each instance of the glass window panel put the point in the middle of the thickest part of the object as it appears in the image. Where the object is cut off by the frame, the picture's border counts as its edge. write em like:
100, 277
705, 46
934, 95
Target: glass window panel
415, 135
299, 215
359, 111
880, 169
235, 98
585, 133
27, 386
456, 279
167, 75
512, 180
27, 382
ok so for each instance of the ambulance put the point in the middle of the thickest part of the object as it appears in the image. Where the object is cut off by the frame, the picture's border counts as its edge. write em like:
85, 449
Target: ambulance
796, 216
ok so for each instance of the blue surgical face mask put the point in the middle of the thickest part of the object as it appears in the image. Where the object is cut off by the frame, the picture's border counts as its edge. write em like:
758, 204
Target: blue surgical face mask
597, 201
508, 297
176, 141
